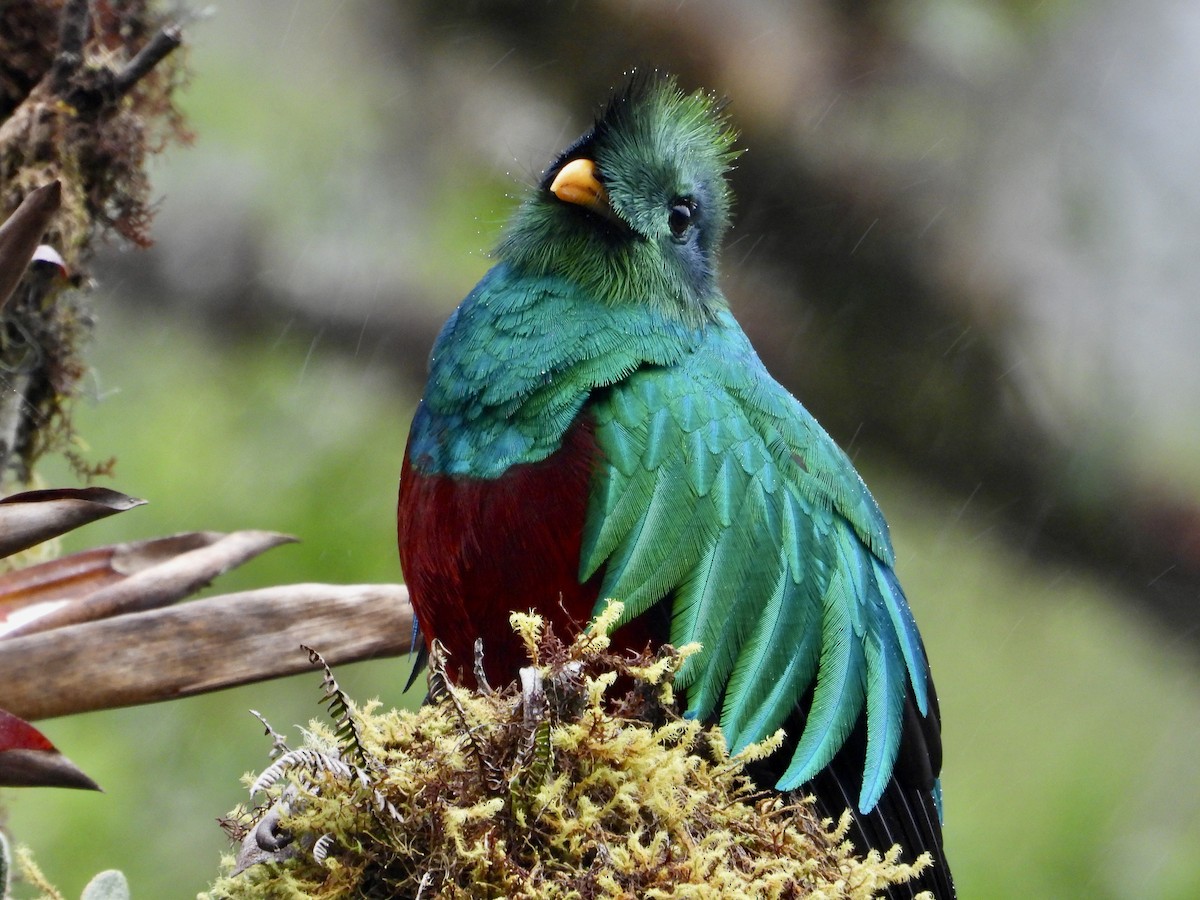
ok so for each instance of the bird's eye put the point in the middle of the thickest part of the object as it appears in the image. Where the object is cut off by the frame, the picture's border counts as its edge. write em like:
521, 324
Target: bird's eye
680, 218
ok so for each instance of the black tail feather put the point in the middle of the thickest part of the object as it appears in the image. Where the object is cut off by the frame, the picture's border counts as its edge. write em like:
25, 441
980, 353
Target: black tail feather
906, 813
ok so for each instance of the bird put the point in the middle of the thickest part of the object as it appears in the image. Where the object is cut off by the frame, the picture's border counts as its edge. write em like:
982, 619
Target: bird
596, 424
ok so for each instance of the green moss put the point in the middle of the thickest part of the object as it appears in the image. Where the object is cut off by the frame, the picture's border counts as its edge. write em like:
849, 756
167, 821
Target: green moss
583, 783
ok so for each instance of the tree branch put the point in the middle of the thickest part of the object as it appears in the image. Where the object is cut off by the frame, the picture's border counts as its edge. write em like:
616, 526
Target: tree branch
202, 646
156, 49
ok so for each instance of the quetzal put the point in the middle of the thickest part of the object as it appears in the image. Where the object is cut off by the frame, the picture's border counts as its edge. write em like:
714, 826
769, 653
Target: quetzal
596, 425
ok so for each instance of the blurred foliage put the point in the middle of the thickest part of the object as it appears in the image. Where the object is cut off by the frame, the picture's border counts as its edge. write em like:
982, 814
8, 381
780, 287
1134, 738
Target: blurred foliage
249, 436
1069, 723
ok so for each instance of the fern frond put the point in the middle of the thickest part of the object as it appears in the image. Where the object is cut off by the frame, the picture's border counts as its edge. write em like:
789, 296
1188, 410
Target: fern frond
279, 745
439, 682
322, 847
441, 690
306, 758
341, 710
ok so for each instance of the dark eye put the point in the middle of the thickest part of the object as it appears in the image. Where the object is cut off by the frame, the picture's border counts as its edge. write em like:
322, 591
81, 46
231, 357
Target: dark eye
680, 218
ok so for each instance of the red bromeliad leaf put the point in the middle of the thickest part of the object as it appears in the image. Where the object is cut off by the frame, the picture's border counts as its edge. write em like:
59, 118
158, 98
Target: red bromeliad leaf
17, 734
28, 759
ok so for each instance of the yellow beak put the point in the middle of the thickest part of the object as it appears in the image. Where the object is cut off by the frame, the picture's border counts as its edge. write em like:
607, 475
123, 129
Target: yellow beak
576, 183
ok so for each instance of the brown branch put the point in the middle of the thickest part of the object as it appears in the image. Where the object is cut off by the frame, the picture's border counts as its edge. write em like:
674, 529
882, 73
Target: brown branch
202, 646
156, 49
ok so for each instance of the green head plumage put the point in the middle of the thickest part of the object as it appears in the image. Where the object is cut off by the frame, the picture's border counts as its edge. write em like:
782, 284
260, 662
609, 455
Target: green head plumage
635, 210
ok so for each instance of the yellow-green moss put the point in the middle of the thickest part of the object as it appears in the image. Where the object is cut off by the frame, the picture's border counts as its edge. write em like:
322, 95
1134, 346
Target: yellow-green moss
584, 785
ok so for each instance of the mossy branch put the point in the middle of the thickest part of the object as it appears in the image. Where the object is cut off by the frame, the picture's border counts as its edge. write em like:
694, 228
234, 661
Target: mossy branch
536, 791
85, 115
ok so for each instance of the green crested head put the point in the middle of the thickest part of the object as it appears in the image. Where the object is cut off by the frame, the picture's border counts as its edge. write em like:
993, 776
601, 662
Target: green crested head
635, 210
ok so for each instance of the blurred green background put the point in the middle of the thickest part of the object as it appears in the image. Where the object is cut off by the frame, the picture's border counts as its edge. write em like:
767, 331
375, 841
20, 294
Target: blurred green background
959, 170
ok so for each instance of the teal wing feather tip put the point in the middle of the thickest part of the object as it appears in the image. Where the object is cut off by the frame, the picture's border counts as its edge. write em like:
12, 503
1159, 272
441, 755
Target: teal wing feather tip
706, 474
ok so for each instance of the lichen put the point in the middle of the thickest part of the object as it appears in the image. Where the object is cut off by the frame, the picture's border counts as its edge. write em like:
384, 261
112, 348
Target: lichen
581, 783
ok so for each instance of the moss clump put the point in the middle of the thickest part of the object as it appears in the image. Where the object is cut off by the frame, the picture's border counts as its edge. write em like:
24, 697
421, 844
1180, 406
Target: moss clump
550, 789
